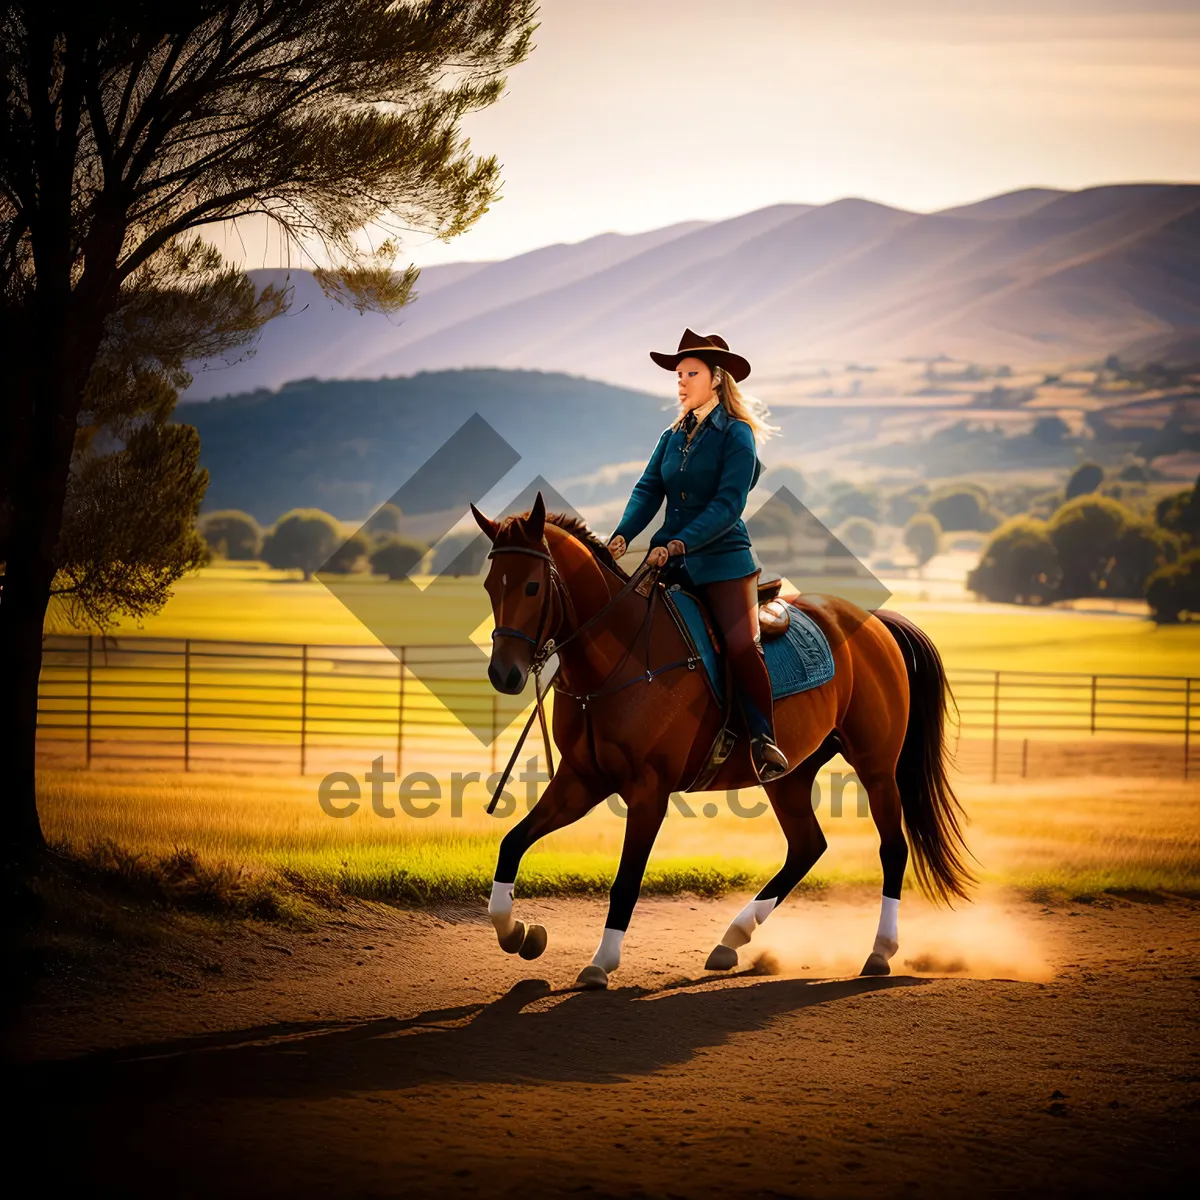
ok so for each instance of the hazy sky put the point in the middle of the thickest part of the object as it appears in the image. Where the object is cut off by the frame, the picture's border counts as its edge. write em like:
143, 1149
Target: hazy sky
632, 114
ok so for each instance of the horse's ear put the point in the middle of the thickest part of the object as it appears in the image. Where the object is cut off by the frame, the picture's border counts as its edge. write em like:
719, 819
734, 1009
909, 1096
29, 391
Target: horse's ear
535, 525
488, 526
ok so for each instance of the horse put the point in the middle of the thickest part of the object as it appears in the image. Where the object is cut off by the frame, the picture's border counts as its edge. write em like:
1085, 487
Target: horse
626, 727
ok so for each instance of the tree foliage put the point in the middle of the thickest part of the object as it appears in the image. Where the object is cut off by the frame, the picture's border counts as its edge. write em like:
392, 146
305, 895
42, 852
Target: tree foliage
129, 127
232, 534
1019, 564
396, 556
301, 540
1087, 477
923, 536
962, 507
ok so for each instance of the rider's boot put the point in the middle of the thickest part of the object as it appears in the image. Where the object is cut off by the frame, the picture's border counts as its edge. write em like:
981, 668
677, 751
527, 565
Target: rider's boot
769, 761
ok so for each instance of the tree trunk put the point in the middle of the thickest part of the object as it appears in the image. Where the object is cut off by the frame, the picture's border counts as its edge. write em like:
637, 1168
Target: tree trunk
45, 406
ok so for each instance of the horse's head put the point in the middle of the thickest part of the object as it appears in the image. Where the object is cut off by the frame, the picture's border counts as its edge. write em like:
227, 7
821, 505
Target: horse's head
519, 583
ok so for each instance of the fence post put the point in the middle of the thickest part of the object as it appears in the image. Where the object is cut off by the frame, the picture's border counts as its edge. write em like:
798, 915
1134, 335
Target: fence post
1093, 704
303, 707
1187, 729
88, 718
187, 704
996, 727
400, 720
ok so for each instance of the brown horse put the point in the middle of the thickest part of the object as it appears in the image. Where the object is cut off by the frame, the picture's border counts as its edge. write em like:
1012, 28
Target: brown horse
631, 718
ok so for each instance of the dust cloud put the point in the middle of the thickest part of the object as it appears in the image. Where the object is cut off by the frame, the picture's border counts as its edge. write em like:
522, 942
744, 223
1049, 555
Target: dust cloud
993, 938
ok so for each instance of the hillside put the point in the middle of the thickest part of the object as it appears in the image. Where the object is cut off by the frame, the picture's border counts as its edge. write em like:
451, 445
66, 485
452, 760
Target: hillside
1029, 277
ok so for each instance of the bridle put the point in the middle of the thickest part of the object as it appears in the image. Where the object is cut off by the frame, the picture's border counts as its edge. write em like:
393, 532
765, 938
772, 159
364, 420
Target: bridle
543, 651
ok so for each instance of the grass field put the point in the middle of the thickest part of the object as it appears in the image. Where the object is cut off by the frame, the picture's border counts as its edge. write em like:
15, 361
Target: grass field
236, 836
251, 839
250, 602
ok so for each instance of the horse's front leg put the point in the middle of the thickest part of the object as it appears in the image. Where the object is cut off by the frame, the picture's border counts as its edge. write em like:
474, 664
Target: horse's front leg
567, 797
647, 804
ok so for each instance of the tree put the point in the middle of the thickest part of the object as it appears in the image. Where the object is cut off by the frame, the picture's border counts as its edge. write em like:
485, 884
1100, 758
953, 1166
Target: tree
848, 501
1180, 513
923, 536
301, 540
1141, 548
460, 554
232, 534
128, 127
903, 506
859, 535
345, 559
1050, 431
1174, 589
1086, 477
1019, 564
1084, 532
386, 519
962, 507
396, 556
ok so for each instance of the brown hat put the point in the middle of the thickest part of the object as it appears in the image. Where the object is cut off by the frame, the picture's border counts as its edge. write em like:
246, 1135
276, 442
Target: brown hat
712, 349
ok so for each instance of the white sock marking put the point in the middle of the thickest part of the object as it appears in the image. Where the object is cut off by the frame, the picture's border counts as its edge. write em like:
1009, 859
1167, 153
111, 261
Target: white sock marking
741, 929
500, 908
887, 938
608, 954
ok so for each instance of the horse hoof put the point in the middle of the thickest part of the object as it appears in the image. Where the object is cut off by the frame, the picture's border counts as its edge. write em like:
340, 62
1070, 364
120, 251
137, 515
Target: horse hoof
534, 943
723, 958
876, 965
514, 939
592, 976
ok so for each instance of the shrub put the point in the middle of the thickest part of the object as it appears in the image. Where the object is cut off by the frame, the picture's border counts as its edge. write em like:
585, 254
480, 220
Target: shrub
1084, 533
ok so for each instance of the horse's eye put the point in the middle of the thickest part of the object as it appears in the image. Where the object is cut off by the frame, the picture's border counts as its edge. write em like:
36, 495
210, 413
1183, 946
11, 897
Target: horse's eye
531, 588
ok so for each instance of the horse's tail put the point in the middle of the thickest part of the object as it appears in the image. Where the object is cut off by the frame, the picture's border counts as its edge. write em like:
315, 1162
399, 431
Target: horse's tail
932, 811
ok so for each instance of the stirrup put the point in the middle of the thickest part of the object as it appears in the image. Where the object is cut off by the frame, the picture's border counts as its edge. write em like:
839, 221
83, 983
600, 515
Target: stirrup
769, 761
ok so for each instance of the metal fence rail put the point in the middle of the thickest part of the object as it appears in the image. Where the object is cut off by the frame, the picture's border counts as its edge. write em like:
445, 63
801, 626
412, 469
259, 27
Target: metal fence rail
198, 705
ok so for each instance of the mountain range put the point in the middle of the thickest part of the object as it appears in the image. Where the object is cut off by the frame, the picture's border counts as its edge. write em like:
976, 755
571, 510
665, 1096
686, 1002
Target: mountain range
1034, 276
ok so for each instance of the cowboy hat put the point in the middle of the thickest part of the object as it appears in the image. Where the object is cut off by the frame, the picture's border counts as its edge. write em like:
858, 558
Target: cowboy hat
712, 349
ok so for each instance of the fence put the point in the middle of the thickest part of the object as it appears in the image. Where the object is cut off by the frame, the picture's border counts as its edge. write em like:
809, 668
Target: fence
205, 705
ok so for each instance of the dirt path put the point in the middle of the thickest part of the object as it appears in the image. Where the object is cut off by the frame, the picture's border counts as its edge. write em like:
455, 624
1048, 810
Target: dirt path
396, 1053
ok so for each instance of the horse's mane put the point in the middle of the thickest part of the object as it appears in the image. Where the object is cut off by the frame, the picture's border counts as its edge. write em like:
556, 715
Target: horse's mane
577, 527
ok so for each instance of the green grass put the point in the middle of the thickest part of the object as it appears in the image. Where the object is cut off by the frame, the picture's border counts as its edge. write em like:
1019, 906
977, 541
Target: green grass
264, 843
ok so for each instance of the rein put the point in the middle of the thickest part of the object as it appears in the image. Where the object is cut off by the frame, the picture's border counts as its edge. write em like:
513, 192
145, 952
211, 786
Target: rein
544, 652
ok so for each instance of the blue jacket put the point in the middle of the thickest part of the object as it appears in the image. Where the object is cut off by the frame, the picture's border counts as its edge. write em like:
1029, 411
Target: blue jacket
705, 486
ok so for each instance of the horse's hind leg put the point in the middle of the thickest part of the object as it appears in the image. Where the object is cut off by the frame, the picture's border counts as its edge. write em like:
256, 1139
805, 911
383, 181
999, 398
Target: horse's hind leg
883, 795
791, 798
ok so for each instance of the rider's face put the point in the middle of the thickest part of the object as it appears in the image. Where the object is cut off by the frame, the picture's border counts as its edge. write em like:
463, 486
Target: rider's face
694, 378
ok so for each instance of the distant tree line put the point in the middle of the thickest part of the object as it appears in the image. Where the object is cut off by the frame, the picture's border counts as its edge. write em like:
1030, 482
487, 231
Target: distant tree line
1092, 544
310, 540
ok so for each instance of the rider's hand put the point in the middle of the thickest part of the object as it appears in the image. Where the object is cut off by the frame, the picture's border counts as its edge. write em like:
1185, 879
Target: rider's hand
660, 554
616, 546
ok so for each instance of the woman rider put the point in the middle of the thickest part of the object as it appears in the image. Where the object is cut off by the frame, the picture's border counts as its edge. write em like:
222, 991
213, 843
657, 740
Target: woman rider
705, 464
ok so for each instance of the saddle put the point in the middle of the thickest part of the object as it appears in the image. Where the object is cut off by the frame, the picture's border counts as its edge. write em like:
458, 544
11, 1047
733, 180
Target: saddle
774, 618
773, 615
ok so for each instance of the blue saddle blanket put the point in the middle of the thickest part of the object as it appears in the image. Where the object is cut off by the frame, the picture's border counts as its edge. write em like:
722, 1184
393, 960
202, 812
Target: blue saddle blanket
797, 660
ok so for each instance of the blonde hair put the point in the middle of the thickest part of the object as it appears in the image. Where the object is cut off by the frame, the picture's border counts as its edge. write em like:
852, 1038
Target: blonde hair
741, 407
